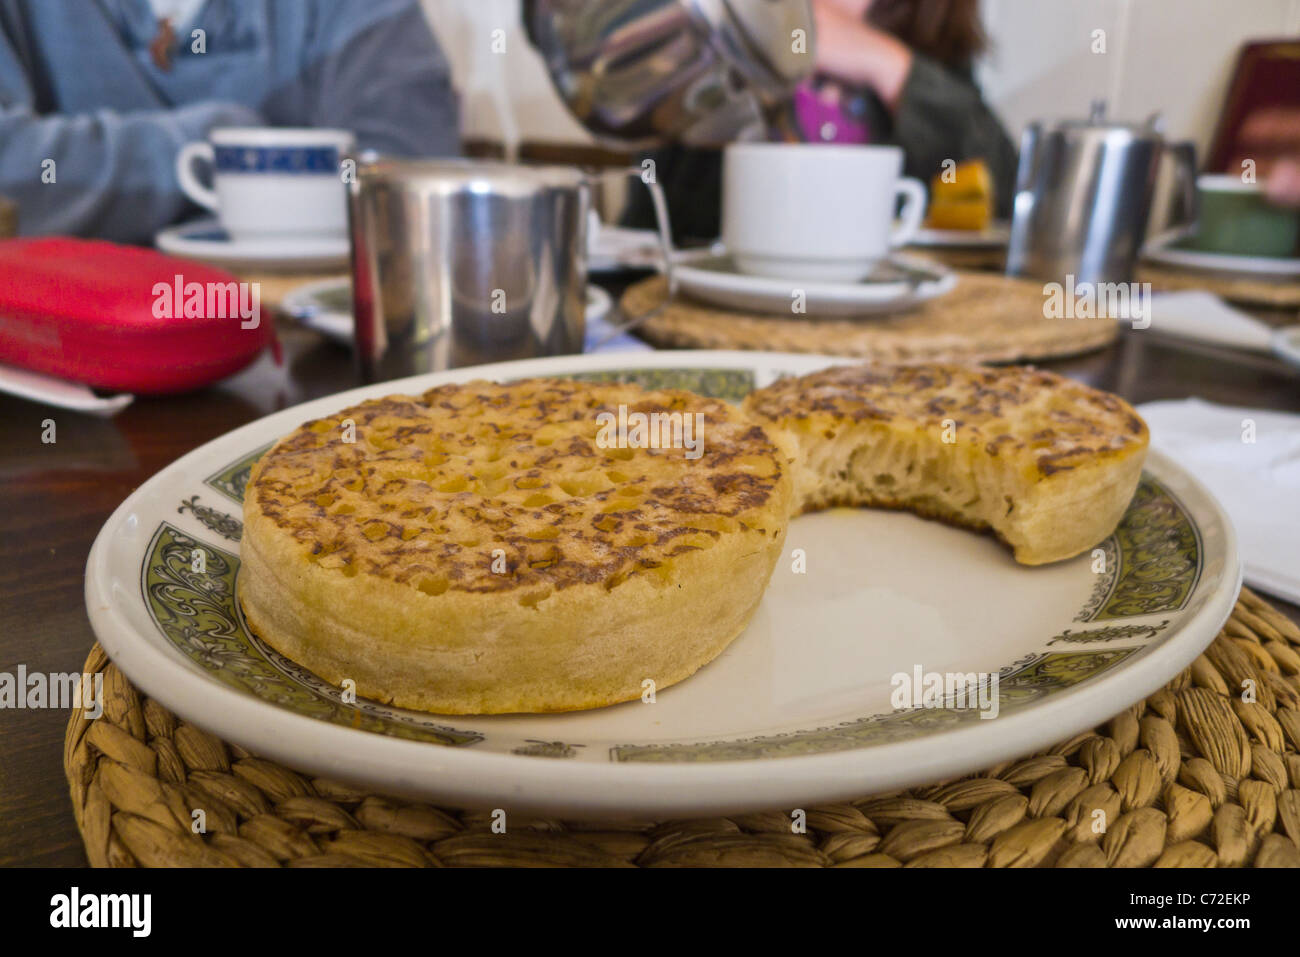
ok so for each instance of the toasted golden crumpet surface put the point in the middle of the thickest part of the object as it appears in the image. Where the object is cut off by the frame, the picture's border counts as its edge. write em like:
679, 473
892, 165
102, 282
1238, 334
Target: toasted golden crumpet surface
460, 533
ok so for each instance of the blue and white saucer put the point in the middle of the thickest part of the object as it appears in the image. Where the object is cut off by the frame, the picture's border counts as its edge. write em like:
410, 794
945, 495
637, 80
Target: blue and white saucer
205, 240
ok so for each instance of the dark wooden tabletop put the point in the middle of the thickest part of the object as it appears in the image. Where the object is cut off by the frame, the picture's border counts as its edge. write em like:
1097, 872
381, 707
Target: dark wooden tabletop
56, 496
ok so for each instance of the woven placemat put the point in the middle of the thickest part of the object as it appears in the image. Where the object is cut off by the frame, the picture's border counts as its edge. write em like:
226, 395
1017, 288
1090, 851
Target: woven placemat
1249, 290
1191, 777
986, 318
274, 287
963, 257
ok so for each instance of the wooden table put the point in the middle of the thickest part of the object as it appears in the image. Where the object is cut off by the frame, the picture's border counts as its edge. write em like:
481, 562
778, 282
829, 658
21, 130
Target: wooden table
55, 497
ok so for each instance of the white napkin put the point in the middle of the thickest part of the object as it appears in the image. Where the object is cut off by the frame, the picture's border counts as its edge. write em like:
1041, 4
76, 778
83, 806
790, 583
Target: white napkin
1257, 482
1205, 317
39, 387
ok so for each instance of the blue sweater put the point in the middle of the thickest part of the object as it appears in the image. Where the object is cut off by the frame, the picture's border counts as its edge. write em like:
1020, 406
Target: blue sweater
79, 86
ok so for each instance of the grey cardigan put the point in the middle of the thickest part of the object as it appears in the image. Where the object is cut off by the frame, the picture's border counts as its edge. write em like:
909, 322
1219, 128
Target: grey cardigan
78, 87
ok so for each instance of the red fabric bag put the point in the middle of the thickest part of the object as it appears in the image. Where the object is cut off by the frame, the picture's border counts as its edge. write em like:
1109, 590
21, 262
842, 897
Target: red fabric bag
125, 318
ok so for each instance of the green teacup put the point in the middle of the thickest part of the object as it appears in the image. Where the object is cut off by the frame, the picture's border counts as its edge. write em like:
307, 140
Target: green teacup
1235, 218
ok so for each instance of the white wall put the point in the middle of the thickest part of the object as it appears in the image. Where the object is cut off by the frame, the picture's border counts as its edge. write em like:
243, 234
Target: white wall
1171, 56
501, 93
1174, 56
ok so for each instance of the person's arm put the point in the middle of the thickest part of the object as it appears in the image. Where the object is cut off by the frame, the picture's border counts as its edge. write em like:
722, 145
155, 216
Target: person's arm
858, 54
375, 68
940, 116
1282, 185
936, 113
104, 174
112, 175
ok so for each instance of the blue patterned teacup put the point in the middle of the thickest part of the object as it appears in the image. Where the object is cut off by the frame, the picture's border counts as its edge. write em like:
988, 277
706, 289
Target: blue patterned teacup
268, 182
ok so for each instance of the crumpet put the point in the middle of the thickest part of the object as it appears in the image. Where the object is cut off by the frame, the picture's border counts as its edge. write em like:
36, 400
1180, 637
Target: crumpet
488, 548
1047, 464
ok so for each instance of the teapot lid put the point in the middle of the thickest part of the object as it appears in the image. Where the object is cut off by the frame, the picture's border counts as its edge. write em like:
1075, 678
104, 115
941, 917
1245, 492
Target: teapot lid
1097, 123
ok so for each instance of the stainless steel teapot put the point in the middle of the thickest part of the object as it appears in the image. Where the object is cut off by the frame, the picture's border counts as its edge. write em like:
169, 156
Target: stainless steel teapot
1084, 191
695, 71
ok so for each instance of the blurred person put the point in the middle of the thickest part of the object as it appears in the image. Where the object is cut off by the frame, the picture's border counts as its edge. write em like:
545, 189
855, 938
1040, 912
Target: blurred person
896, 72
1267, 140
1283, 183
111, 89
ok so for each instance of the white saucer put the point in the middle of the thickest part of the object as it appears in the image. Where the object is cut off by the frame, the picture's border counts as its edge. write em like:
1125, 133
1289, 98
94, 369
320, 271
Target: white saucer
205, 240
1164, 253
60, 393
994, 236
325, 306
711, 276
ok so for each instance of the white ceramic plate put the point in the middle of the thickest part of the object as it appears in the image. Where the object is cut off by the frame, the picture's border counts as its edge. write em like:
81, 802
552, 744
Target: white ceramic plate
326, 307
995, 236
1164, 253
205, 240
796, 712
712, 277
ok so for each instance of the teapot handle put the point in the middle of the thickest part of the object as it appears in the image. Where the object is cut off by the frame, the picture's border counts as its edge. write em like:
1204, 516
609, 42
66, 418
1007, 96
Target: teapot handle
1184, 153
646, 175
660, 202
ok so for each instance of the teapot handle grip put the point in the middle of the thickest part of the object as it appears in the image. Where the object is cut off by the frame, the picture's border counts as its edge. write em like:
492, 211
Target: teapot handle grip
1184, 153
646, 174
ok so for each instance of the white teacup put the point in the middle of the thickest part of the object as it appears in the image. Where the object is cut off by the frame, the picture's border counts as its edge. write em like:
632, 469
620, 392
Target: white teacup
271, 182
815, 212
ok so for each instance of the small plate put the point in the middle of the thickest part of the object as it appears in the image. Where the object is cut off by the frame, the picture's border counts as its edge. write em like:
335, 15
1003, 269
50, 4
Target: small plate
994, 236
797, 711
1167, 253
712, 277
326, 307
205, 240
60, 393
